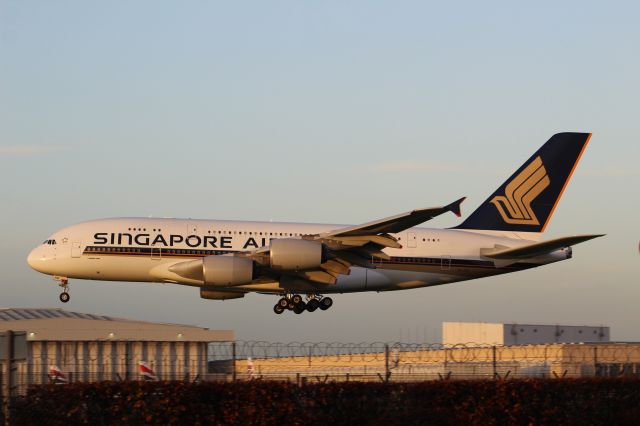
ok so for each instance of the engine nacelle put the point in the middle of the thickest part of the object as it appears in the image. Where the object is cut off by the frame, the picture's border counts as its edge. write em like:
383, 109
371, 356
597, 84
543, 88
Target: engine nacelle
219, 295
222, 271
290, 254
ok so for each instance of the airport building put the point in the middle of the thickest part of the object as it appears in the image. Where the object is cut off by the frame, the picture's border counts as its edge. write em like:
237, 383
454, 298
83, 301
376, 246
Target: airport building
87, 347
481, 333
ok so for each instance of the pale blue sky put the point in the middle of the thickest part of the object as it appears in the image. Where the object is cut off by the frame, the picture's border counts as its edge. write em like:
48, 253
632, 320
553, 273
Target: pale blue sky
328, 111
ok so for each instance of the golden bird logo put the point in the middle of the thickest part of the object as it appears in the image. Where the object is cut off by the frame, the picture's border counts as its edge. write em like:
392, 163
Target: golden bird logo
515, 205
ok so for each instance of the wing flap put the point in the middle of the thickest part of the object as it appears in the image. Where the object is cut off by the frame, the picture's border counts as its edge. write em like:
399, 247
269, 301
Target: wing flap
536, 249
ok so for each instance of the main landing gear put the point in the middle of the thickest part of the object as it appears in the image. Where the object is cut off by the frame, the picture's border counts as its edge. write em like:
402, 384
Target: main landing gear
64, 283
297, 305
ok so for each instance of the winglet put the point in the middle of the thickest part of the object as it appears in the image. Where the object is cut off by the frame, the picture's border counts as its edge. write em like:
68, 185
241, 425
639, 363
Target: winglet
455, 206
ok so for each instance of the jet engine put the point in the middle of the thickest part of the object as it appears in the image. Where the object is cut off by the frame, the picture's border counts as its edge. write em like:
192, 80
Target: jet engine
219, 295
290, 254
222, 271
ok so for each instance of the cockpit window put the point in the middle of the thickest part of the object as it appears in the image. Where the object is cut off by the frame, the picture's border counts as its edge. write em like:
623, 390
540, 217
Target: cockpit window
50, 242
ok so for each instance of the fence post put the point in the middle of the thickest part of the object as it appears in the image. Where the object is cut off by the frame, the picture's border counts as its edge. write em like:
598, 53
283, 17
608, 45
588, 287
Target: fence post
8, 376
233, 354
595, 360
387, 371
495, 362
1, 391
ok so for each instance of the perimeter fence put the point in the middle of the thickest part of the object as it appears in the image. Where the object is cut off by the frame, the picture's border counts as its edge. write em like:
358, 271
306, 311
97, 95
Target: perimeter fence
309, 362
304, 362
379, 361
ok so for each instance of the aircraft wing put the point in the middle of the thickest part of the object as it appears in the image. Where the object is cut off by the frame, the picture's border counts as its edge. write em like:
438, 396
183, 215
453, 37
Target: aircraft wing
397, 223
536, 249
357, 245
342, 248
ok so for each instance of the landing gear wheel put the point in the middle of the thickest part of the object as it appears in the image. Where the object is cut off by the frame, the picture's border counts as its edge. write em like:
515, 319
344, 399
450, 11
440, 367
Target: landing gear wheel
63, 282
296, 299
312, 305
326, 303
283, 303
290, 305
278, 309
300, 307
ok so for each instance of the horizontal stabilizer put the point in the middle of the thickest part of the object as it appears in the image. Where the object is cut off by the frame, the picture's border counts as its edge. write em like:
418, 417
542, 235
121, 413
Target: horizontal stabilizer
536, 249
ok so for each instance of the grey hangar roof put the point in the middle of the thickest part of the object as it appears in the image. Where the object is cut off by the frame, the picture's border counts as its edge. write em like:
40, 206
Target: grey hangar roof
55, 324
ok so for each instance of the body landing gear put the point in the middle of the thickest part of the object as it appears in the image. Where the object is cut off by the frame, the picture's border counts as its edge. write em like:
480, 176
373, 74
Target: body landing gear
64, 283
294, 302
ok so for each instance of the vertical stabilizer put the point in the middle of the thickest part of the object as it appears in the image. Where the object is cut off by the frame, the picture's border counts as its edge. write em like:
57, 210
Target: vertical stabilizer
526, 201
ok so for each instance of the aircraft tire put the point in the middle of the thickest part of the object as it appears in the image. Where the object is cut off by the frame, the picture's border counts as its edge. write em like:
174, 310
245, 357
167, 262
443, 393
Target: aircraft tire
284, 303
296, 298
64, 297
326, 303
312, 305
300, 308
278, 309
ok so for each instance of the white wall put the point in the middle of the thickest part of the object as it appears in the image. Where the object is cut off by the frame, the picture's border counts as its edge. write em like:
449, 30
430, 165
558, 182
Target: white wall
454, 333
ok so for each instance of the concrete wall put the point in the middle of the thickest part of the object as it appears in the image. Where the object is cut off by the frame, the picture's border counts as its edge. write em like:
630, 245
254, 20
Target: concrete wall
554, 360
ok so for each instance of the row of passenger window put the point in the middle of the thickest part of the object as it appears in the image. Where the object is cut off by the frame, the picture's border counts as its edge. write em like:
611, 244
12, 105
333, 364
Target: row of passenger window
255, 233
424, 260
135, 250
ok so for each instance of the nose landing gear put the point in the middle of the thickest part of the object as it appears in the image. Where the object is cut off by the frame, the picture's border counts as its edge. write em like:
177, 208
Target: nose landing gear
64, 296
64, 283
294, 302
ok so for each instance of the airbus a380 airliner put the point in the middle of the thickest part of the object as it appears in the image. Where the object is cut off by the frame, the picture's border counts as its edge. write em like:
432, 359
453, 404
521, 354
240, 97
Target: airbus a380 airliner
228, 259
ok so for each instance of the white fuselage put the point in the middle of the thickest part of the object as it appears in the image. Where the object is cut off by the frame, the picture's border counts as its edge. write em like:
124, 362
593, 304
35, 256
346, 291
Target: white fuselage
143, 249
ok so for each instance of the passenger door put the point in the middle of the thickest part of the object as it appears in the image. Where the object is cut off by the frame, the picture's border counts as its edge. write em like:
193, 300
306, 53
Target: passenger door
445, 262
156, 252
412, 240
76, 249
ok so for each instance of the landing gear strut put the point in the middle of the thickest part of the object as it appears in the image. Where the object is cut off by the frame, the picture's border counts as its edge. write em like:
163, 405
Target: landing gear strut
64, 283
294, 302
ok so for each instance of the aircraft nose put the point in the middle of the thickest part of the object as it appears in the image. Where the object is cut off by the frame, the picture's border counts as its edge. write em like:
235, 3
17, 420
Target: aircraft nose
35, 258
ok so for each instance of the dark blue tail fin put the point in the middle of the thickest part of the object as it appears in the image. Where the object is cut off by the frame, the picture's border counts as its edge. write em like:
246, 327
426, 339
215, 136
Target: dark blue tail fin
525, 202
